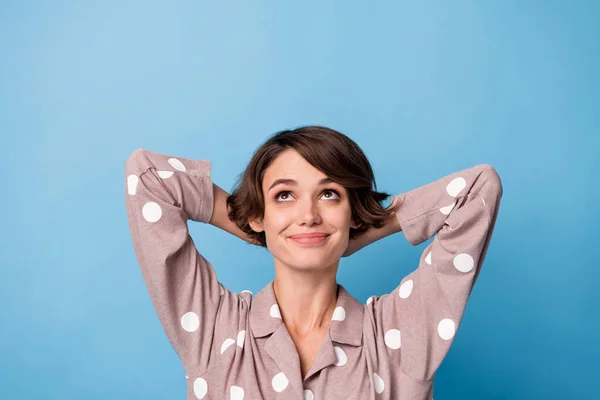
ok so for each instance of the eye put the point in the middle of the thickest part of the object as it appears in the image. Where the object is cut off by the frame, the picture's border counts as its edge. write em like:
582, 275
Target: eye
287, 193
332, 191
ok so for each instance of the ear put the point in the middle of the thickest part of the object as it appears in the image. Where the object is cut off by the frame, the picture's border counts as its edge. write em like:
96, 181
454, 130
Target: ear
355, 224
256, 225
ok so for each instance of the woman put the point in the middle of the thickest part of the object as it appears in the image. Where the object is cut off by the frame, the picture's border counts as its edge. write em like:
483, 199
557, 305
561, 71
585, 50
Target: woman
307, 197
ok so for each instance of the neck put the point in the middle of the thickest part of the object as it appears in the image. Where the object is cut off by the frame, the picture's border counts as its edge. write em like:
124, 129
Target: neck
306, 299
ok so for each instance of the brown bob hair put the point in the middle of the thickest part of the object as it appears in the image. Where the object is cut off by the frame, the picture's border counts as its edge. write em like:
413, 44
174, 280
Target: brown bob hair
329, 151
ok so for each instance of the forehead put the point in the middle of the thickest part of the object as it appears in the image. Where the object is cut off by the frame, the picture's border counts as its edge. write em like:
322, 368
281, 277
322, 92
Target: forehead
289, 164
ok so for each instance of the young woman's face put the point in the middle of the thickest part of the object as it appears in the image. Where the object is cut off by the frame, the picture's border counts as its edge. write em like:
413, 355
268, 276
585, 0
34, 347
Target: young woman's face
299, 200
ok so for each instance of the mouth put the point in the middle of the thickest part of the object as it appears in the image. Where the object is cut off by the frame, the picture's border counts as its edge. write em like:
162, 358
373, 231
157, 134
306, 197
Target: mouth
309, 241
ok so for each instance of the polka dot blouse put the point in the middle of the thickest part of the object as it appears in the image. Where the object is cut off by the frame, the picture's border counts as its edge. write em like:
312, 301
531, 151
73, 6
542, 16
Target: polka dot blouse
235, 346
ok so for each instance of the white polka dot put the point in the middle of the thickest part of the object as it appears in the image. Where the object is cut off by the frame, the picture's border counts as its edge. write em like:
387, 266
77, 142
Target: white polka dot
405, 289
340, 356
240, 338
428, 258
339, 314
274, 311
151, 211
370, 299
378, 383
236, 393
132, 181
178, 165
464, 262
200, 388
187, 377
456, 186
392, 339
279, 382
446, 210
190, 321
228, 342
246, 291
308, 395
446, 328
165, 174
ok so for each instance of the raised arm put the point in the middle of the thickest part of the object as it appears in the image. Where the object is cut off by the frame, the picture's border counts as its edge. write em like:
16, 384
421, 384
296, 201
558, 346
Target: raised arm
161, 193
371, 235
418, 320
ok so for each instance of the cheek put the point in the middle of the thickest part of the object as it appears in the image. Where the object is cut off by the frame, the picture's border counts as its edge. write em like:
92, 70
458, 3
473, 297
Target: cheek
277, 221
339, 217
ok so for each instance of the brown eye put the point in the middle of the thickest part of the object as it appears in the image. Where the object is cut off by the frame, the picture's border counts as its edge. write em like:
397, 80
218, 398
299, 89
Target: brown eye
332, 191
284, 193
278, 196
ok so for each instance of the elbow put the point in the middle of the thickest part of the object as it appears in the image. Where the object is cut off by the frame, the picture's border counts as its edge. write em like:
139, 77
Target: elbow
134, 161
493, 182
137, 153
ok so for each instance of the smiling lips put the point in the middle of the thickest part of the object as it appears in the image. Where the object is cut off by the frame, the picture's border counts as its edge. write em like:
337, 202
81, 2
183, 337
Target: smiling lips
309, 238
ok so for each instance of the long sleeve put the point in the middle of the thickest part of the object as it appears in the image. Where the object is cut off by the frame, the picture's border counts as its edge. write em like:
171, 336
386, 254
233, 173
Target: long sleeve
161, 194
418, 320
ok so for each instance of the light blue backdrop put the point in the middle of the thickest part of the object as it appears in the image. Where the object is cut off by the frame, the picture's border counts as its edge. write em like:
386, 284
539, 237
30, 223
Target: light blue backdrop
425, 88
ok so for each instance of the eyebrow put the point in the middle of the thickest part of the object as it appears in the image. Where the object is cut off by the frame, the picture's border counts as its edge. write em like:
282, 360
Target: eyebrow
294, 183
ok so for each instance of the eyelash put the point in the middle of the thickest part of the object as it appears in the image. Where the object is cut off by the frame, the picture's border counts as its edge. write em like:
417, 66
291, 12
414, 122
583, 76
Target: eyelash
325, 190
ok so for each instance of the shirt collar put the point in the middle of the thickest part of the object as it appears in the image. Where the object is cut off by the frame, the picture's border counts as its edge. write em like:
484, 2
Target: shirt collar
346, 325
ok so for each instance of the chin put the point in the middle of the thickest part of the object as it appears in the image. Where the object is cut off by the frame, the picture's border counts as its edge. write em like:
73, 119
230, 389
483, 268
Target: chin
308, 267
312, 261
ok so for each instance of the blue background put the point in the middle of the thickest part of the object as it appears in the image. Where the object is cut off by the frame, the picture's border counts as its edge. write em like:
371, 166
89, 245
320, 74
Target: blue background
425, 88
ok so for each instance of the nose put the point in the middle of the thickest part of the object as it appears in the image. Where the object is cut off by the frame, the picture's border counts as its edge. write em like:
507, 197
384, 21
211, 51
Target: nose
308, 213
